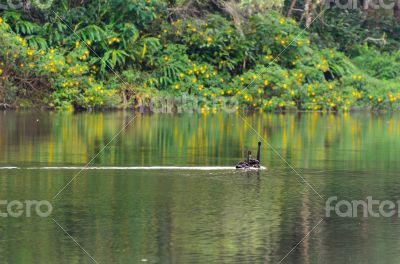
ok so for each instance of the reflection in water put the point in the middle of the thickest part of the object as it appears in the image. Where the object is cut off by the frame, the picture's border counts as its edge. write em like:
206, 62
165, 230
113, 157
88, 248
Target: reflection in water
188, 140
181, 216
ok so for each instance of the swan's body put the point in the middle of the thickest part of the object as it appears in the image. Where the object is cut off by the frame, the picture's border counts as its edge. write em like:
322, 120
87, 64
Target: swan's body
247, 165
249, 162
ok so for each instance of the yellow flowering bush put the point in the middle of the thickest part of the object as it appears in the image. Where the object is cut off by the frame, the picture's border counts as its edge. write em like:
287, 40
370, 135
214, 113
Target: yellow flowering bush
263, 62
35, 72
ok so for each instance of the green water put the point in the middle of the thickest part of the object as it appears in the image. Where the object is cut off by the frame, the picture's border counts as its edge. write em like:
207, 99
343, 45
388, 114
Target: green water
178, 216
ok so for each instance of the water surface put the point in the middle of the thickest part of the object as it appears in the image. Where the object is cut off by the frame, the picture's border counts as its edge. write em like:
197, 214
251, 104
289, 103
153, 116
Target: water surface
198, 216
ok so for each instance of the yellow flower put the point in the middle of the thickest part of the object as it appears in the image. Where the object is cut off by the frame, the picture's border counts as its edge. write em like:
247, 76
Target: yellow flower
254, 76
29, 52
194, 80
1, 20
181, 75
281, 21
266, 82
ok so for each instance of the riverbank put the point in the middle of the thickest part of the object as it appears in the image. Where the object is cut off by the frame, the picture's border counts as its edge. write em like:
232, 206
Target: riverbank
268, 64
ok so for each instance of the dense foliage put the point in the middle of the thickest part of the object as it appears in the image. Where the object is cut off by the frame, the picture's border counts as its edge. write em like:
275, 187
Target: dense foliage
96, 54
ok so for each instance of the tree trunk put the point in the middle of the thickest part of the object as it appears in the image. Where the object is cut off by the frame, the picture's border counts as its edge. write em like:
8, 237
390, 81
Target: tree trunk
364, 7
291, 7
396, 10
308, 13
124, 99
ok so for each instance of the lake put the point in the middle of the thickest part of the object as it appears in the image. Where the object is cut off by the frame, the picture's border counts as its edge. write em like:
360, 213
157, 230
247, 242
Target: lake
121, 215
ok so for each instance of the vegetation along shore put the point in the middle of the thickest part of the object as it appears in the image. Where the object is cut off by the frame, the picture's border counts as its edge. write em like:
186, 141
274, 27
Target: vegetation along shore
263, 55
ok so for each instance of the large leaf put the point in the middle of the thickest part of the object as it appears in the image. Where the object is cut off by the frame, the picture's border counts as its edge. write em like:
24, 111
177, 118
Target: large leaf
92, 33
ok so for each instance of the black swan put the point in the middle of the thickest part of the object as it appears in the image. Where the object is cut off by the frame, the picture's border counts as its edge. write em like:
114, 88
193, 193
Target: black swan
249, 162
